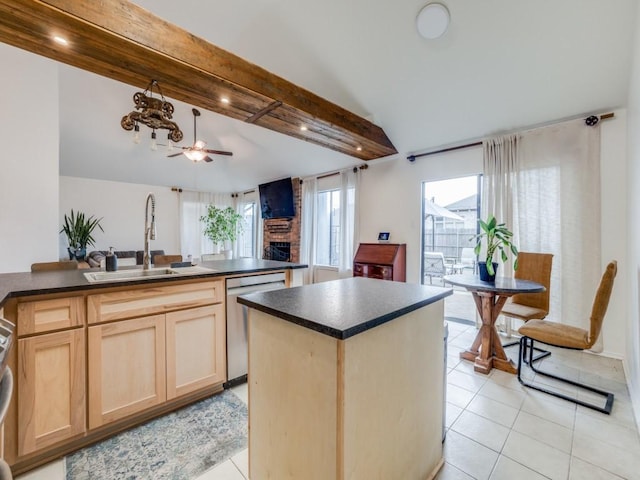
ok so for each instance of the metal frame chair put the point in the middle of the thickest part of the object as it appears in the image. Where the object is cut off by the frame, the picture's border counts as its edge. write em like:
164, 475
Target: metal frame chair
567, 336
434, 265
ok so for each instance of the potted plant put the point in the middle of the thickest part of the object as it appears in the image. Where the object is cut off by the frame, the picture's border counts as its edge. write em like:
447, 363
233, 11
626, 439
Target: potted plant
222, 225
497, 237
79, 229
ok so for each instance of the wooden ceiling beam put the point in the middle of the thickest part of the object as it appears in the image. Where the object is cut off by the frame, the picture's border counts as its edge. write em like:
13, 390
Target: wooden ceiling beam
122, 41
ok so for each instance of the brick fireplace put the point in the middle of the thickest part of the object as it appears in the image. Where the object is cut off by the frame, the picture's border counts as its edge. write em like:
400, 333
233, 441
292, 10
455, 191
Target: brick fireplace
281, 236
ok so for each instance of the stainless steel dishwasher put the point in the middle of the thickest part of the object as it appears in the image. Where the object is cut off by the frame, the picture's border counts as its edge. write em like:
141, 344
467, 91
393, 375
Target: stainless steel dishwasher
237, 320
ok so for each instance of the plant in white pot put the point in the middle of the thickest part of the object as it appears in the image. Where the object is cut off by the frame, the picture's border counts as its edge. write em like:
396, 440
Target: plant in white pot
222, 225
497, 237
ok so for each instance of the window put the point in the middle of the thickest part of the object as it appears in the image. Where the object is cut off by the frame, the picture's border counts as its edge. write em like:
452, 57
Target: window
248, 240
328, 244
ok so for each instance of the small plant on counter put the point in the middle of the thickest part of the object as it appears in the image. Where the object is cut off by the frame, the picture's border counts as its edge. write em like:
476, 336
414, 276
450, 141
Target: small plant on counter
222, 224
79, 231
498, 238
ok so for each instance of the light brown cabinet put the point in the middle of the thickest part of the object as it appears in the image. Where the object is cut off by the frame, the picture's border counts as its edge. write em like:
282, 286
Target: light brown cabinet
126, 368
95, 362
140, 362
195, 349
51, 389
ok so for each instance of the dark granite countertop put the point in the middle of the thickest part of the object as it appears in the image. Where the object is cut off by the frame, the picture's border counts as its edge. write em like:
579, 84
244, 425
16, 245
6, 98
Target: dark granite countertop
347, 307
38, 283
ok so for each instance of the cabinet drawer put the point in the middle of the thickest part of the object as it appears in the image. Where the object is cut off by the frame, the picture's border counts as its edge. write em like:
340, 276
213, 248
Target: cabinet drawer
359, 270
47, 315
380, 271
147, 301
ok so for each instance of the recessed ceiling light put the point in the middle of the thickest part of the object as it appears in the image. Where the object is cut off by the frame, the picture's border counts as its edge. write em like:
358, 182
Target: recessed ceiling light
224, 100
304, 128
433, 20
60, 40
359, 149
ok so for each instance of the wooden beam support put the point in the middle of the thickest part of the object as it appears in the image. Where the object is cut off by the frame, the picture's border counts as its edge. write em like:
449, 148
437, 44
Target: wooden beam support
122, 41
254, 118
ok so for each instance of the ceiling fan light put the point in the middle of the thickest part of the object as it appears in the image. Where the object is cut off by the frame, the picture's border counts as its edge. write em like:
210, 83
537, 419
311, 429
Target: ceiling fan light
195, 155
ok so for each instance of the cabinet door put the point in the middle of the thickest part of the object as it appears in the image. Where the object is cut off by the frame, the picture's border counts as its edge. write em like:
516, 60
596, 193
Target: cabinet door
51, 389
126, 368
195, 349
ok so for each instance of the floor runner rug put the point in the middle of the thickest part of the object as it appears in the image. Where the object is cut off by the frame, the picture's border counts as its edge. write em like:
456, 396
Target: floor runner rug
178, 446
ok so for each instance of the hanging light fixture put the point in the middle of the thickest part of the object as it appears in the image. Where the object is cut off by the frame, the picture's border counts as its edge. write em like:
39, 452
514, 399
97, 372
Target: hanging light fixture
155, 113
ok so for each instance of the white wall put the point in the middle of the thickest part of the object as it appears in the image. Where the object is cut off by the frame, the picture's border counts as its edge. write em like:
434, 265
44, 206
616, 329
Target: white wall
29, 135
121, 206
390, 200
632, 330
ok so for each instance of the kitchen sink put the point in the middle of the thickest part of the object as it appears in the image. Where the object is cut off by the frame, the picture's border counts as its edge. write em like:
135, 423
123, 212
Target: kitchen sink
123, 275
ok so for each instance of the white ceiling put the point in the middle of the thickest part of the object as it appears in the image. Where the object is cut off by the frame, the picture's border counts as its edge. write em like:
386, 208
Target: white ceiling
502, 65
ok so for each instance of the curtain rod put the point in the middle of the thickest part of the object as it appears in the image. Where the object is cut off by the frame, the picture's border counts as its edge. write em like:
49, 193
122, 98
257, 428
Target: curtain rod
331, 174
589, 121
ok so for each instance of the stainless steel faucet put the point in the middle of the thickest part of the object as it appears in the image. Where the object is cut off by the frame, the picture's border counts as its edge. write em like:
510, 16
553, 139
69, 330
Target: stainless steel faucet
149, 230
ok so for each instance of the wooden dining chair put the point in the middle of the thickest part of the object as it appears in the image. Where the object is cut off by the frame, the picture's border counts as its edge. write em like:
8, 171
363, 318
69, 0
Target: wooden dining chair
51, 266
568, 336
166, 259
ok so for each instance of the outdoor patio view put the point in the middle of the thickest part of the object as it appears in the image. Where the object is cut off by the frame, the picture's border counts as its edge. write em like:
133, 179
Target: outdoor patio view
449, 221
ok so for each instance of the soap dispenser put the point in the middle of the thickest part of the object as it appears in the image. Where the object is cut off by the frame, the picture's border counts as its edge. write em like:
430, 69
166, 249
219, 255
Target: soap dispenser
111, 262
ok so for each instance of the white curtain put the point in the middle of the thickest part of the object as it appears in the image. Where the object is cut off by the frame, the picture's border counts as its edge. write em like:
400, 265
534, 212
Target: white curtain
246, 235
547, 190
559, 212
349, 182
193, 205
308, 227
500, 185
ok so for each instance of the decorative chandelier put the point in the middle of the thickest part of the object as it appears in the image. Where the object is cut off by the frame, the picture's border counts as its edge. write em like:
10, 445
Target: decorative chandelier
155, 113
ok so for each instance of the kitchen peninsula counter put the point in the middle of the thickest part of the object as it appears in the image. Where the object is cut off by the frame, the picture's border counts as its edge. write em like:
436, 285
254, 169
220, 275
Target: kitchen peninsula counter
346, 381
39, 283
76, 341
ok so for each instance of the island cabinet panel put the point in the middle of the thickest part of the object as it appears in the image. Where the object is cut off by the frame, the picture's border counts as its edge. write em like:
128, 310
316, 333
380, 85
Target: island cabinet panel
151, 300
384, 261
294, 390
370, 406
48, 315
195, 349
51, 389
126, 368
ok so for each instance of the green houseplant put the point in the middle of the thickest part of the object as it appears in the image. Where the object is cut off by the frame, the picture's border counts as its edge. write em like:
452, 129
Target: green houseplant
79, 228
497, 237
221, 224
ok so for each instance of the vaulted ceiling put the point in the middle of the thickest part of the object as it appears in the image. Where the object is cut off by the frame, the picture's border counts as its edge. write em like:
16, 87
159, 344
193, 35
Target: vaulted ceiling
502, 65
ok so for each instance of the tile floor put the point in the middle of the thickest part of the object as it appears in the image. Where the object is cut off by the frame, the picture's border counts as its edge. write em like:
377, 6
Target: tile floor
498, 430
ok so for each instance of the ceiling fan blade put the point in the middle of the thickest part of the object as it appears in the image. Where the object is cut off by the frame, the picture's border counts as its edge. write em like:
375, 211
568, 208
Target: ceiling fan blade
174, 154
208, 159
218, 152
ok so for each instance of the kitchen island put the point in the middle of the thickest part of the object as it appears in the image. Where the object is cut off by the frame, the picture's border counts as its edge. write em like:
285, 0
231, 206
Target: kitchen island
346, 381
93, 358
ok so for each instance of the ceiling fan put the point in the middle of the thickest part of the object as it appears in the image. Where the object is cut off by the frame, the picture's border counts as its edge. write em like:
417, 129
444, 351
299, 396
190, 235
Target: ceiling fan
197, 152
